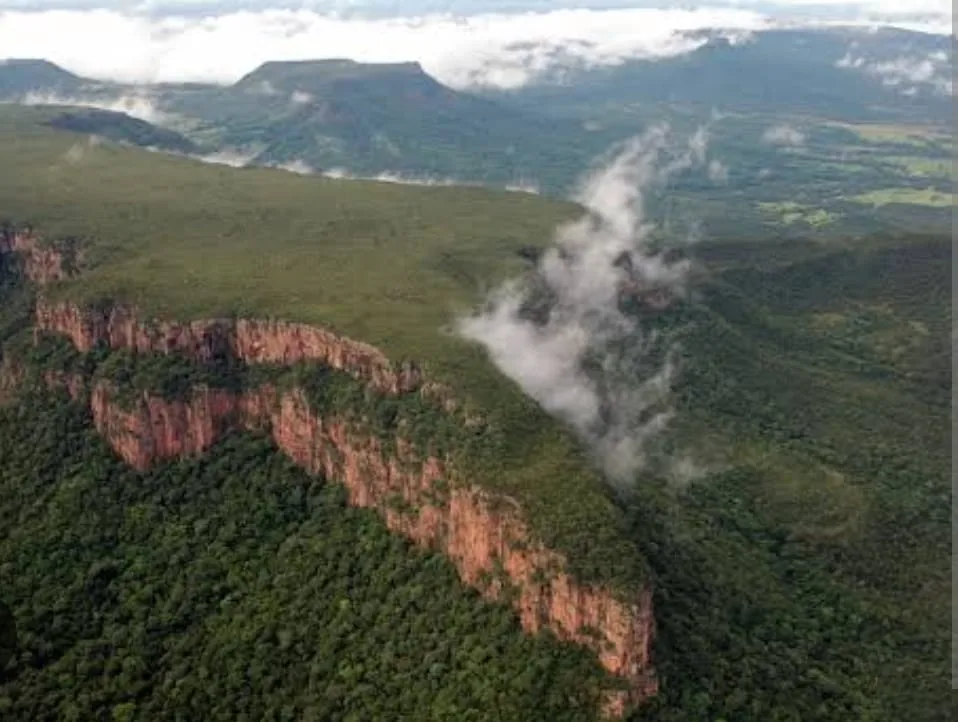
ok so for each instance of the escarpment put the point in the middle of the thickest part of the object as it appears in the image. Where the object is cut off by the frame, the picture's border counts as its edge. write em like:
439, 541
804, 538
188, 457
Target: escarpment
250, 341
41, 264
423, 496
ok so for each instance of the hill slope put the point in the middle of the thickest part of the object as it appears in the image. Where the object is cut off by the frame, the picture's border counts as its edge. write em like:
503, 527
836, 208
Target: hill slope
844, 74
21, 76
370, 118
298, 277
807, 576
801, 575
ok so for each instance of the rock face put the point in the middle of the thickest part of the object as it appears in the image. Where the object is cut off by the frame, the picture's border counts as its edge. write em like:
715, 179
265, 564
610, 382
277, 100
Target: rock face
11, 376
41, 265
424, 499
479, 533
252, 341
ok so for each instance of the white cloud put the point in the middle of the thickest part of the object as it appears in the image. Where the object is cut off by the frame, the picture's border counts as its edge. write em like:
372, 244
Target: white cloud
136, 106
581, 357
300, 97
522, 186
905, 73
210, 40
498, 49
394, 177
717, 171
232, 158
78, 151
784, 135
296, 166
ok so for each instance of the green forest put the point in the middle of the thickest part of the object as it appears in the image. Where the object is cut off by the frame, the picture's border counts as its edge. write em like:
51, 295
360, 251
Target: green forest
235, 587
803, 577
800, 574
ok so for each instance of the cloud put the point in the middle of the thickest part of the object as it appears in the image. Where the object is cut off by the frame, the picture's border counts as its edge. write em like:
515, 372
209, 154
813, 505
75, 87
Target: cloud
78, 151
231, 157
395, 177
905, 73
136, 106
300, 97
563, 336
784, 135
717, 171
523, 186
504, 50
462, 44
296, 166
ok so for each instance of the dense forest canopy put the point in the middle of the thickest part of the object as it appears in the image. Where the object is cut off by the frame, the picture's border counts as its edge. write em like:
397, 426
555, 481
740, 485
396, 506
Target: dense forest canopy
799, 567
804, 577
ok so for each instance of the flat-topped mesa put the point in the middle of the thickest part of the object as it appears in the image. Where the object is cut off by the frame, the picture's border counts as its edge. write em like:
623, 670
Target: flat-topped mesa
484, 536
251, 341
41, 265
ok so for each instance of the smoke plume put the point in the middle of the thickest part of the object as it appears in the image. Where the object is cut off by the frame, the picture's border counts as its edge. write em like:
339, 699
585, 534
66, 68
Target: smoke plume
565, 334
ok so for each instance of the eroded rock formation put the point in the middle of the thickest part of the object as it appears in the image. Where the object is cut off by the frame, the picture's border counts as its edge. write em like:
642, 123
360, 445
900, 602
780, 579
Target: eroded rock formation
422, 498
419, 498
41, 265
252, 341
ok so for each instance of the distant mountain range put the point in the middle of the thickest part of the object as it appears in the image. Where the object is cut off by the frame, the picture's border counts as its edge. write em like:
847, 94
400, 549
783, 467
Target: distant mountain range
351, 118
335, 115
846, 74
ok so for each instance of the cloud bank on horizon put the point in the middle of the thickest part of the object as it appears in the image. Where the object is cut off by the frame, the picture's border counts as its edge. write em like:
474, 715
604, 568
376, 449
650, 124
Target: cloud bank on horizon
502, 43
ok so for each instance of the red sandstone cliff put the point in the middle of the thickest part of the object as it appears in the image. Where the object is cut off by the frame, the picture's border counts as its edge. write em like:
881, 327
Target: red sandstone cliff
464, 523
41, 265
249, 340
476, 531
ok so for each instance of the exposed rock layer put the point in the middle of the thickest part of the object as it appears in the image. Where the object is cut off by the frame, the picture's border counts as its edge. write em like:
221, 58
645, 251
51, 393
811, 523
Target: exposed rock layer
252, 341
40, 264
484, 536
479, 533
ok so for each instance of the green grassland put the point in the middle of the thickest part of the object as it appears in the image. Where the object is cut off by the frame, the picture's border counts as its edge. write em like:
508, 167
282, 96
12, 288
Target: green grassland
910, 196
921, 166
899, 134
790, 212
391, 265
807, 190
803, 575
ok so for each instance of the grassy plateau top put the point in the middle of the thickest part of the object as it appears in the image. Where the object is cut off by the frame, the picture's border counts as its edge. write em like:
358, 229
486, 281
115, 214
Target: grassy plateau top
392, 265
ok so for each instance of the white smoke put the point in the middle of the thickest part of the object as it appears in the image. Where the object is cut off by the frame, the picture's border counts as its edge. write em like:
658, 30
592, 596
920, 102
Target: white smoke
583, 359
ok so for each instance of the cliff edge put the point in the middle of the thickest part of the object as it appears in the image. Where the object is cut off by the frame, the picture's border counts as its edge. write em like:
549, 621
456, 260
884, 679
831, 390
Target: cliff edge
423, 496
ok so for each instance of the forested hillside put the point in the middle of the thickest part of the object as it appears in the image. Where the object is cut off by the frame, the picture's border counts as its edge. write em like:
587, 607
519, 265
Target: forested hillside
807, 576
791, 534
236, 587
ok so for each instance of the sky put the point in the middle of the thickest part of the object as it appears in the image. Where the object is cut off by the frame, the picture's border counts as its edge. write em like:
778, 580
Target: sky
464, 43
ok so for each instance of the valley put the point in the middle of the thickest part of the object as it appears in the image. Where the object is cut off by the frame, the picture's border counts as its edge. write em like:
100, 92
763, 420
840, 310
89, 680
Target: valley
338, 393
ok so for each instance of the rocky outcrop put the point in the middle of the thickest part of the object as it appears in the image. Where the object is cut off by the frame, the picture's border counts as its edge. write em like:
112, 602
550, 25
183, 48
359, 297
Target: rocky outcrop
252, 341
422, 499
41, 264
11, 377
